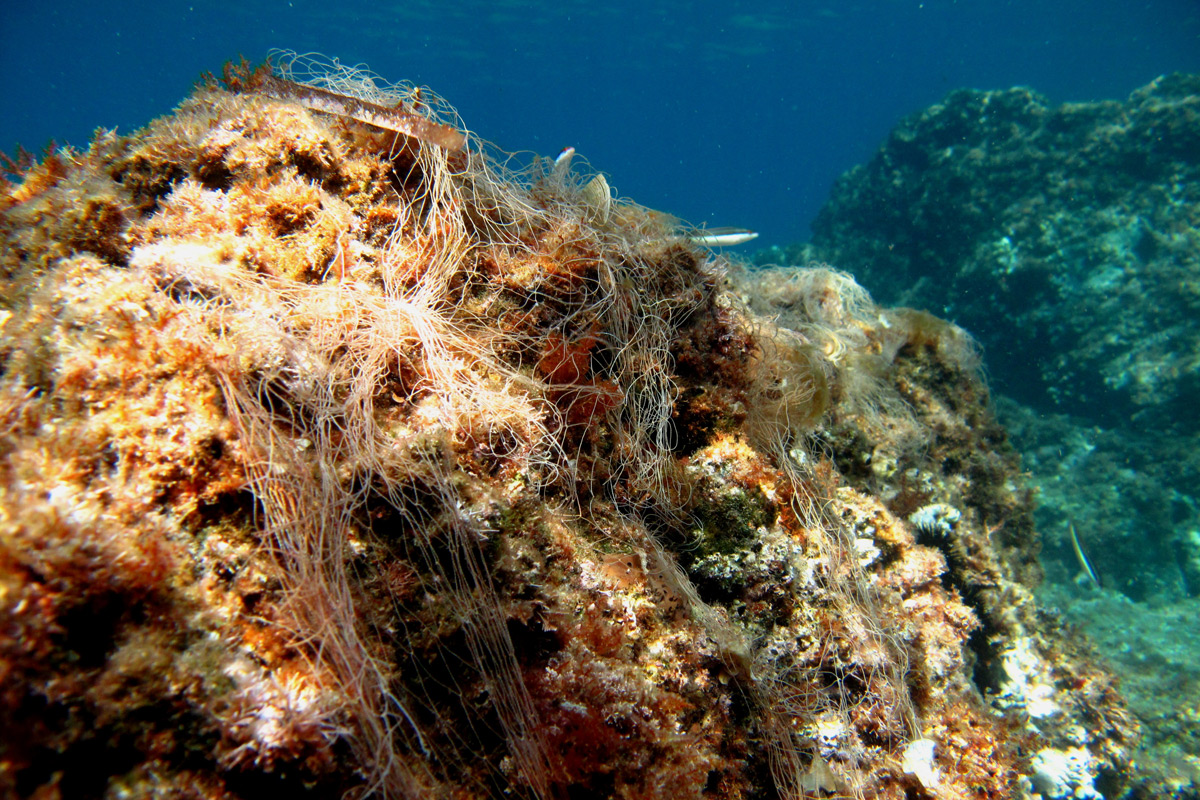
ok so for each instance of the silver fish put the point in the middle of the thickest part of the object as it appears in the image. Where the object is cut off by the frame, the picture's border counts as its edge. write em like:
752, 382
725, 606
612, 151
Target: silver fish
722, 237
1083, 560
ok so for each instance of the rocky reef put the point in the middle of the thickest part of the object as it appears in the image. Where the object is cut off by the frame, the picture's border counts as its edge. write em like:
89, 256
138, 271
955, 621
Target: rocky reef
342, 459
1065, 229
1065, 238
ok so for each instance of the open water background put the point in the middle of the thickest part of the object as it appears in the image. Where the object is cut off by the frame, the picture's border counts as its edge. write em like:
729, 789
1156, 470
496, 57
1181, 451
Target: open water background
723, 113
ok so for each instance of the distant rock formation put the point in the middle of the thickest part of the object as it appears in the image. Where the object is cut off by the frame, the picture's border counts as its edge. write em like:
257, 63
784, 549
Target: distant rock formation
1065, 238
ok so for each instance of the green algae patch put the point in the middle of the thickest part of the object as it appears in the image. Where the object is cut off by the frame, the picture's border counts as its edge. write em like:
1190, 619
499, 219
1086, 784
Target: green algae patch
731, 520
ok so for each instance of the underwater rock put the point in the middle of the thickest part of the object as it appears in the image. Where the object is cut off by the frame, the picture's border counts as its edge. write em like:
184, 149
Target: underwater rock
1065, 238
1153, 650
1068, 233
338, 461
1065, 230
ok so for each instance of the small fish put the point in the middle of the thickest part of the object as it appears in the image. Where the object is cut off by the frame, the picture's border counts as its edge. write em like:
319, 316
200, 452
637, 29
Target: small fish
1083, 560
722, 237
562, 164
394, 119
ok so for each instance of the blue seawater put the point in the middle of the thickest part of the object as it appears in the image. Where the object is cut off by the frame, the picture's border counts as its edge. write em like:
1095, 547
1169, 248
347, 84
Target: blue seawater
723, 113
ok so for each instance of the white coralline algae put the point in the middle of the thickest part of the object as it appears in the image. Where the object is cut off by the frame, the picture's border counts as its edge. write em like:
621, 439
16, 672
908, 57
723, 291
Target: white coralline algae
918, 762
1026, 683
1064, 773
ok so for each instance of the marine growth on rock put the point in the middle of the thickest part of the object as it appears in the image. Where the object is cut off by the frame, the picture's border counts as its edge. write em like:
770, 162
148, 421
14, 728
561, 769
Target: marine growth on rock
338, 460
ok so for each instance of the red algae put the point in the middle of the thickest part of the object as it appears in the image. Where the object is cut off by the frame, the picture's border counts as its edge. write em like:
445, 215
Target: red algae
362, 470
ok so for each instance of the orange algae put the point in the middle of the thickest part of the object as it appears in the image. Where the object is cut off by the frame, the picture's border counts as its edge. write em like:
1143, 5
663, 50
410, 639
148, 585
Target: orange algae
395, 471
